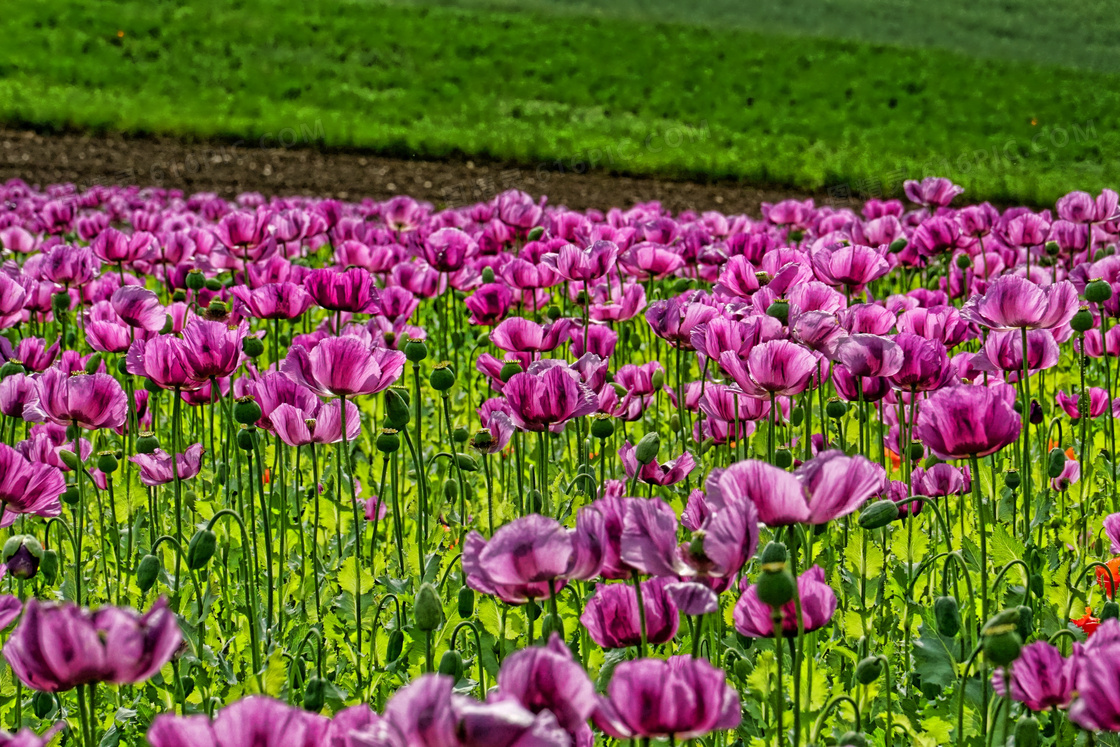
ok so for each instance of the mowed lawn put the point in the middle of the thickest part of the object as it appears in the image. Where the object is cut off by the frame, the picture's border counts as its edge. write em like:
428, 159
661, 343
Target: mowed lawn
621, 85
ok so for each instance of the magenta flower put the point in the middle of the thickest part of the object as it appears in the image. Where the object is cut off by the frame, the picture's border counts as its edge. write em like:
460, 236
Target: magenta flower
525, 558
89, 401
540, 398
108, 336
942, 323
350, 290
612, 620
254, 720
517, 335
772, 368
162, 359
1098, 402
547, 678
828, 486
1040, 678
933, 191
32, 352
489, 304
942, 479
19, 394
1097, 705
28, 487
322, 424
139, 307
344, 366
242, 232
156, 468
654, 473
852, 267
1003, 350
57, 647
212, 350
578, 265
680, 697
28, 738
870, 355
1013, 302
273, 300
675, 319
754, 619
1080, 207
925, 364
448, 249
963, 421
69, 266
648, 260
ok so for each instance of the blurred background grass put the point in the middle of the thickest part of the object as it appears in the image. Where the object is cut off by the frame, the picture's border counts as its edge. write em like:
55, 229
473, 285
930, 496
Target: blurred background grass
1012, 99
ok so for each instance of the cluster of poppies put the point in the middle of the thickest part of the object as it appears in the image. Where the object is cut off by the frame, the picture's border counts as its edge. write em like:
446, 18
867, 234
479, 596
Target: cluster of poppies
517, 475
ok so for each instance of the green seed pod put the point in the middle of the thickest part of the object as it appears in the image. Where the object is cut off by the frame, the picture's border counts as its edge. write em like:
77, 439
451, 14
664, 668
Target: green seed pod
246, 438
488, 274
48, 566
836, 409
1001, 640
775, 553
460, 435
553, 312
1109, 611
1027, 733
509, 370
869, 670
1012, 479
314, 694
442, 377
1098, 291
202, 547
60, 302
146, 443
427, 608
1026, 622
396, 409
647, 448
674, 423
196, 280
70, 496
1056, 463
213, 284
69, 458
246, 410
916, 451
396, 645
466, 602
1082, 321
13, 367
602, 426
779, 310
964, 262
783, 458
217, 309
388, 441
107, 462
878, 514
147, 572
178, 296
252, 346
43, 704
657, 381
776, 588
947, 615
536, 233
451, 664
1053, 248
415, 350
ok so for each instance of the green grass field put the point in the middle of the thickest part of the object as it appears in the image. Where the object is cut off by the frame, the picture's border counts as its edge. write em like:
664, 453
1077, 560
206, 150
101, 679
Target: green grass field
634, 88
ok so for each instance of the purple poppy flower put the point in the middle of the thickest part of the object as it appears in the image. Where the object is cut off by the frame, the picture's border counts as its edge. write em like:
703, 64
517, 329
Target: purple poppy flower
163, 360
108, 336
680, 697
655, 473
350, 290
517, 335
942, 323
19, 394
489, 304
1097, 705
28, 487
1040, 678
1099, 403
925, 364
242, 232
344, 366
69, 266
448, 249
870, 355
933, 191
498, 429
851, 267
57, 647
255, 720
139, 307
89, 401
754, 619
540, 399
612, 620
320, 425
772, 368
212, 350
547, 678
1003, 351
962, 421
649, 260
675, 319
578, 265
529, 558
1112, 530
1080, 207
942, 479
28, 738
156, 468
273, 300
1013, 302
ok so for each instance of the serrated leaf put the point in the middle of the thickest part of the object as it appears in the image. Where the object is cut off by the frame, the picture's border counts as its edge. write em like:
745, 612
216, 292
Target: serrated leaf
933, 660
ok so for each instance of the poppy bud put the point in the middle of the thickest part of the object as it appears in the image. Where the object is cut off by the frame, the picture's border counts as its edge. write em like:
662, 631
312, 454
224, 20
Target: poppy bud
536, 501
93, 363
536, 233
22, 554
783, 458
878, 514
107, 462
427, 609
675, 423
1036, 413
252, 346
947, 615
1027, 732
48, 566
1053, 248
415, 350
647, 448
460, 435
681, 285
69, 458
451, 664
147, 572
466, 602
552, 624
212, 284
43, 704
796, 235
146, 443
247, 439
451, 489
796, 416
488, 274
1001, 640
1026, 622
315, 694
442, 377
1110, 610
60, 302
1082, 321
779, 310
201, 548
396, 645
13, 367
152, 386
466, 462
657, 381
836, 409
898, 245
396, 408
246, 410
1056, 463
869, 670
602, 426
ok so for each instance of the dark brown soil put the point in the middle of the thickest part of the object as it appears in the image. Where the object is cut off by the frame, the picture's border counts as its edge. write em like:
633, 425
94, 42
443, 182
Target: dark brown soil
230, 168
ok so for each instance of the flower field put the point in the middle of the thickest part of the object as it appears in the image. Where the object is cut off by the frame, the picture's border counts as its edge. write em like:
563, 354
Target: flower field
298, 472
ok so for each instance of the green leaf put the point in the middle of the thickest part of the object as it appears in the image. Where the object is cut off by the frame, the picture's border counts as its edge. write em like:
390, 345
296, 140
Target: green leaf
1003, 548
933, 660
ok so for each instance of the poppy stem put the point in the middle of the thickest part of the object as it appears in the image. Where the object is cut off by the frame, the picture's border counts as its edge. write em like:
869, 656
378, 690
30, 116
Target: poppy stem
641, 615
